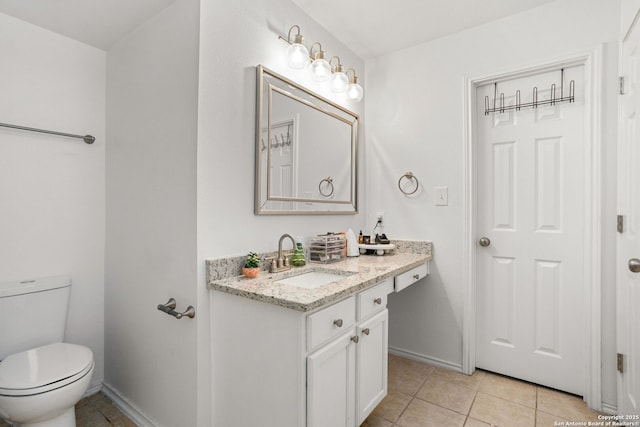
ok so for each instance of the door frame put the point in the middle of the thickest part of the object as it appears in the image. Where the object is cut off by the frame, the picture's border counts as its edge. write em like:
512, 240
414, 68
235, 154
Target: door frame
592, 61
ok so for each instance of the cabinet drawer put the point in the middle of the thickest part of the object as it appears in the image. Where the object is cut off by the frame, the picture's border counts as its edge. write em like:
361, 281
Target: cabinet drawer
374, 300
330, 322
410, 277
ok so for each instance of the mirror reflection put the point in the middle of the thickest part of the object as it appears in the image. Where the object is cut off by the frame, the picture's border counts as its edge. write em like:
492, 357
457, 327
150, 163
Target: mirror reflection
306, 151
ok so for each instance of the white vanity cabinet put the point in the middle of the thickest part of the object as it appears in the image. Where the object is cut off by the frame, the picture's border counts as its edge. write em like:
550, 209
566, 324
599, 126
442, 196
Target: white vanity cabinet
331, 383
278, 367
347, 376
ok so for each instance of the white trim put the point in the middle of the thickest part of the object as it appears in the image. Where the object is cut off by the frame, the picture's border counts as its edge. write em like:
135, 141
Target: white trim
92, 390
609, 409
126, 407
440, 363
593, 232
592, 61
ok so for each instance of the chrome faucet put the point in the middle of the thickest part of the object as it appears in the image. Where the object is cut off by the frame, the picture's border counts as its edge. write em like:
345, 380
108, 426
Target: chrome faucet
282, 262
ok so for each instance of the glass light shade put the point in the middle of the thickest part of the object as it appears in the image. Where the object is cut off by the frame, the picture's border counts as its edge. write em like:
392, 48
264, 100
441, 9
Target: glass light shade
298, 56
355, 92
339, 82
320, 70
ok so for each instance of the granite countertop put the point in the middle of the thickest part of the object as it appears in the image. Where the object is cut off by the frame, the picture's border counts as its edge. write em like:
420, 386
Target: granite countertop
360, 273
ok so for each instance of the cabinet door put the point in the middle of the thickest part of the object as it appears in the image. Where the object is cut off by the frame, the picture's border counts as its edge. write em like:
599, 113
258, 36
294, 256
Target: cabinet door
331, 382
371, 364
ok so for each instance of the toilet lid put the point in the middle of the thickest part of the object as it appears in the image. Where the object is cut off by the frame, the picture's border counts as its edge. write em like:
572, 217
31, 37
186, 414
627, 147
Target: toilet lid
44, 368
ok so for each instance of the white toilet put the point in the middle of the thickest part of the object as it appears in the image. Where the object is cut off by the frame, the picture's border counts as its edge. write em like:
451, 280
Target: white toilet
41, 378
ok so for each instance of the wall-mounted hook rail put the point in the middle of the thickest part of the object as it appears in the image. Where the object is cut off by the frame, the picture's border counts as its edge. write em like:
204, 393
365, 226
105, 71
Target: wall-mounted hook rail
535, 103
169, 308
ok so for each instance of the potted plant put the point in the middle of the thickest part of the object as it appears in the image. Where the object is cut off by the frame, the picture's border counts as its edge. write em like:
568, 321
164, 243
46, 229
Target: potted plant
252, 265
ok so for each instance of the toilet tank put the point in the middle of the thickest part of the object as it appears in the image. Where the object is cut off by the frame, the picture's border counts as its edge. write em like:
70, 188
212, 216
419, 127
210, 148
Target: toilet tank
32, 313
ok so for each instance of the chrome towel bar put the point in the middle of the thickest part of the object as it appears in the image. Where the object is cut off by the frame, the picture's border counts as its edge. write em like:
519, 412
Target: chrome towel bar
169, 308
86, 138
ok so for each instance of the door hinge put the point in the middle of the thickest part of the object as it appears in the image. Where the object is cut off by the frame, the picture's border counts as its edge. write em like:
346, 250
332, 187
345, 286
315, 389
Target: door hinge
620, 224
621, 85
620, 363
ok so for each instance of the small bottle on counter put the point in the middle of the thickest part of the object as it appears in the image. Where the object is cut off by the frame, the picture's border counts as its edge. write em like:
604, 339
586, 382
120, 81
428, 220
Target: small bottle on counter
298, 260
360, 237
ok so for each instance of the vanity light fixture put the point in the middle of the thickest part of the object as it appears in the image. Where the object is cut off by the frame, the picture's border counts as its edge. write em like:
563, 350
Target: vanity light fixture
339, 80
298, 57
320, 67
354, 90
297, 53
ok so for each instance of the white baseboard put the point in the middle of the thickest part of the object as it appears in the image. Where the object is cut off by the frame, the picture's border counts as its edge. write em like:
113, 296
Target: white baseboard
425, 359
609, 409
126, 407
93, 390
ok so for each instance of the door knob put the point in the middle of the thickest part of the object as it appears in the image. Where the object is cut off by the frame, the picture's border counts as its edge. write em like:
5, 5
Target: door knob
634, 265
484, 241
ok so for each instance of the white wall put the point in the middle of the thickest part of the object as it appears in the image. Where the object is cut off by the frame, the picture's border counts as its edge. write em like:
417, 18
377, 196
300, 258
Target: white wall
152, 90
235, 37
415, 122
52, 188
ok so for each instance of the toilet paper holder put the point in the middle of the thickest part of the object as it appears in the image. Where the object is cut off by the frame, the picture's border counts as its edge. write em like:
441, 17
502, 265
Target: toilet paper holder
169, 308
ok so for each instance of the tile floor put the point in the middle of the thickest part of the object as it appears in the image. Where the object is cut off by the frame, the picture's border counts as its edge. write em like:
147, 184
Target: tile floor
422, 395
97, 410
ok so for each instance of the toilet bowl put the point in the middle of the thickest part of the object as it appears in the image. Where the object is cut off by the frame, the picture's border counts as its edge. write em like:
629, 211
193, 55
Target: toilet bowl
40, 387
41, 377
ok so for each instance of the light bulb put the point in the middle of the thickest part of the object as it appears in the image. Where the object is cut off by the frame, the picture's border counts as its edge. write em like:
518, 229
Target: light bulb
320, 67
355, 92
339, 81
298, 56
320, 70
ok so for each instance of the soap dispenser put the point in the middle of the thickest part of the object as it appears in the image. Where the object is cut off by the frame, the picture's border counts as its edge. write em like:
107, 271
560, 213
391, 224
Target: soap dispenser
298, 260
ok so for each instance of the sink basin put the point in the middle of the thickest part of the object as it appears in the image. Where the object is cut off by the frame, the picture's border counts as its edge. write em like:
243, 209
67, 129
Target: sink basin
312, 279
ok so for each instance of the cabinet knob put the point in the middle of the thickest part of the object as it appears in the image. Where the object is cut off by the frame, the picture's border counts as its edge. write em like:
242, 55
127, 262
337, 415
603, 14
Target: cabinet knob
338, 323
366, 331
378, 300
416, 276
355, 339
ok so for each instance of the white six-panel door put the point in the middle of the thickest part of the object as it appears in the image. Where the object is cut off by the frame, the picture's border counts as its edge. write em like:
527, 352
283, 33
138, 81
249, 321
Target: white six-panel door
628, 242
530, 206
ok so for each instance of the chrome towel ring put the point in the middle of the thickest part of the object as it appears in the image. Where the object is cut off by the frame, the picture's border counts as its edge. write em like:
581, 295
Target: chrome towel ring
329, 186
410, 177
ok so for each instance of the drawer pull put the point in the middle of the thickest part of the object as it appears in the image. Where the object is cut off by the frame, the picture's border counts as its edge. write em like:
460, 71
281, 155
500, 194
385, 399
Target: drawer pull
378, 300
416, 276
366, 331
338, 323
355, 339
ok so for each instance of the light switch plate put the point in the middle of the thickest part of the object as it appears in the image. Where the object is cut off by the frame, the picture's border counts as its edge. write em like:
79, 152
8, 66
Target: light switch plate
442, 196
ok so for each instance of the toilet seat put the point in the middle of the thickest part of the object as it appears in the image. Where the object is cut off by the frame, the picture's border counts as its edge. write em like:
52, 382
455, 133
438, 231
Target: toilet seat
43, 369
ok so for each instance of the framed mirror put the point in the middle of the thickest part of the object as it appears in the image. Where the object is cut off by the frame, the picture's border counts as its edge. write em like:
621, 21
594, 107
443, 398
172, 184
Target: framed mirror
306, 151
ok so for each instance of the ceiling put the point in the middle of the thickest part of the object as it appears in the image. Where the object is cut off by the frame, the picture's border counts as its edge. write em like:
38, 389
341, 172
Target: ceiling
375, 27
369, 27
98, 23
